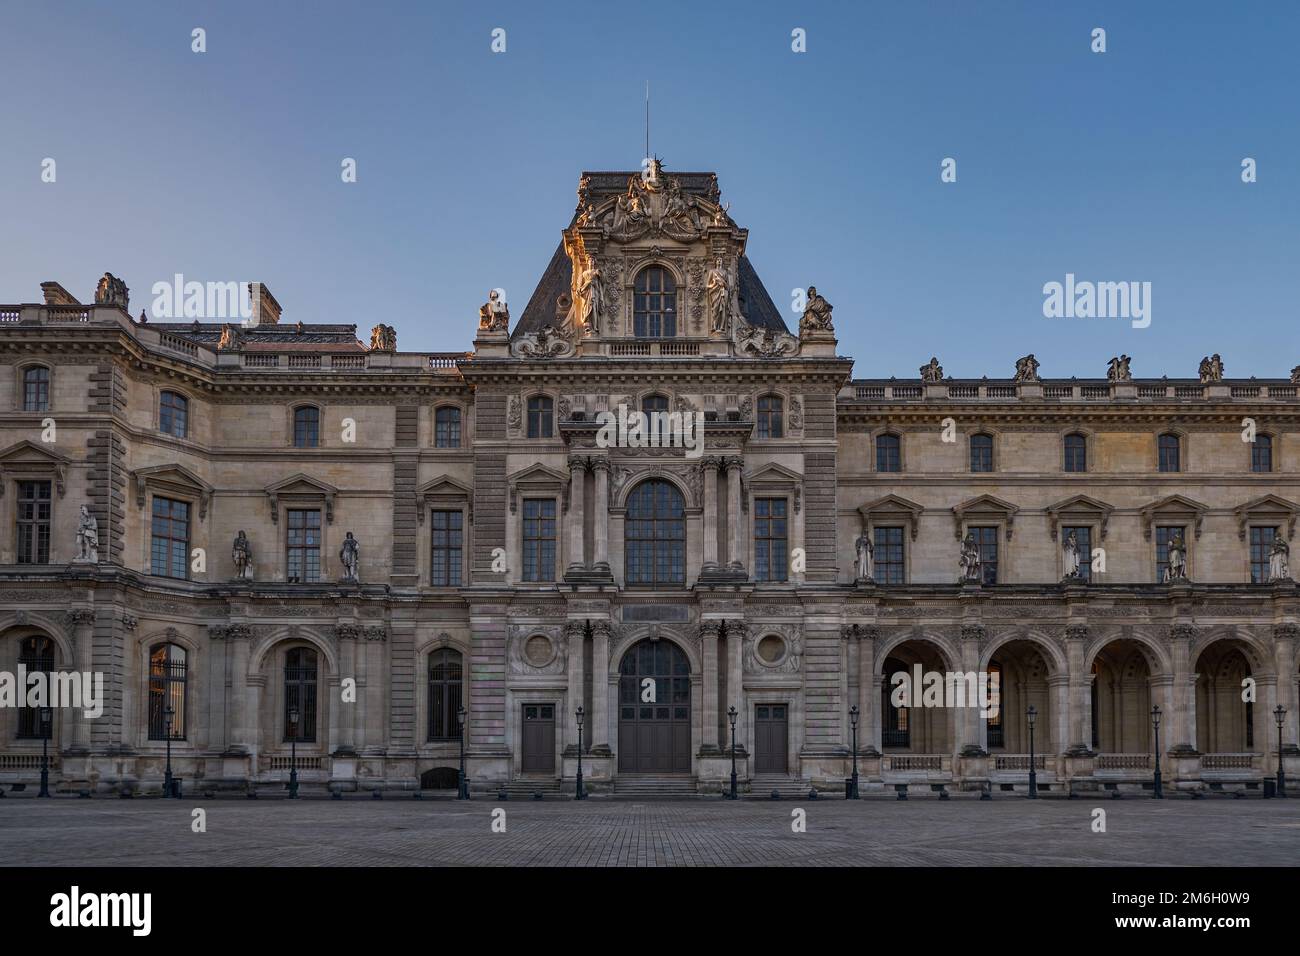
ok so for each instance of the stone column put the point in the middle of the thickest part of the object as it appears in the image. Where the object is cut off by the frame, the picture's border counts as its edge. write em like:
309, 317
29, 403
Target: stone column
1182, 716
1284, 645
735, 523
253, 714
601, 632
601, 558
735, 632
1078, 739
1059, 685
709, 632
240, 733
577, 525
575, 632
865, 637
346, 635
80, 624
968, 718
709, 474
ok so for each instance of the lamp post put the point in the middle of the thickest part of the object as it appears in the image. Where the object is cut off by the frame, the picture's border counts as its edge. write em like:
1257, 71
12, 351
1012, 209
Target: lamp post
47, 720
1280, 716
579, 793
731, 716
853, 721
293, 754
168, 714
1155, 722
462, 785
1031, 715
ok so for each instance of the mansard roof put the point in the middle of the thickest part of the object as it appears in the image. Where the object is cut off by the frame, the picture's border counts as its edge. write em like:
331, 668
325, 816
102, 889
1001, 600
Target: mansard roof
316, 337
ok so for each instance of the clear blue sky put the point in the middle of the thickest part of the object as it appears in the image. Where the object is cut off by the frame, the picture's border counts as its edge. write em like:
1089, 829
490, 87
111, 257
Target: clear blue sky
1116, 166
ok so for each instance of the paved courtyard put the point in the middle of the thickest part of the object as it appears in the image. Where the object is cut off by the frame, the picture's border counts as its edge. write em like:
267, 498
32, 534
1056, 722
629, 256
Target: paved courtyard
874, 832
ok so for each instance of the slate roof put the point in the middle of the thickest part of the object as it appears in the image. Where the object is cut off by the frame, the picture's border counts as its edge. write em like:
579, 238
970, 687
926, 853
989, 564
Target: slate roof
322, 337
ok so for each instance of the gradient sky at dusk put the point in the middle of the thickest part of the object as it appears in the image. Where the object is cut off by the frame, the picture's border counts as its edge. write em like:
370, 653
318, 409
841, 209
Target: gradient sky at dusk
1116, 166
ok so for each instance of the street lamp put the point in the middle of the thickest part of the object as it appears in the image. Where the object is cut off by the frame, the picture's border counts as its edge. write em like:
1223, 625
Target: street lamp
47, 720
579, 793
293, 754
731, 716
462, 785
853, 721
1280, 716
168, 714
1155, 722
1031, 714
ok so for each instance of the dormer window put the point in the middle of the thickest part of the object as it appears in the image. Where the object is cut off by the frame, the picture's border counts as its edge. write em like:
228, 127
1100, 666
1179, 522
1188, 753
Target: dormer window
654, 308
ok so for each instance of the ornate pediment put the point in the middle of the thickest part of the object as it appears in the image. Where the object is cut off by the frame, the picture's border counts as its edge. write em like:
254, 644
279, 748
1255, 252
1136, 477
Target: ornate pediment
443, 489
1079, 505
891, 506
172, 479
26, 458
302, 488
1269, 507
1176, 506
537, 479
654, 204
773, 477
986, 506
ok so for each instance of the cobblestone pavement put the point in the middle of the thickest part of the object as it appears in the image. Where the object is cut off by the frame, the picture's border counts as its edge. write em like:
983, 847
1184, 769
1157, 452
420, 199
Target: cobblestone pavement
1010, 831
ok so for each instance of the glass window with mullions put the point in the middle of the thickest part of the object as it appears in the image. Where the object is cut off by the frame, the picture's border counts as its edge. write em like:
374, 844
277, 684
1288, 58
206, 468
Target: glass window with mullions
540, 417
34, 511
1170, 447
539, 539
1261, 548
1082, 538
1261, 454
36, 389
888, 555
174, 414
302, 546
1164, 535
889, 453
170, 544
987, 540
1076, 453
306, 427
655, 535
771, 560
981, 453
770, 415
446, 428
447, 548
300, 695
654, 304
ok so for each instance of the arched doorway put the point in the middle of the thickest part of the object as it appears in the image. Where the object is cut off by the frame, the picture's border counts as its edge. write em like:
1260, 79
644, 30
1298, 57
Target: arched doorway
1225, 723
1022, 674
654, 709
1121, 699
910, 724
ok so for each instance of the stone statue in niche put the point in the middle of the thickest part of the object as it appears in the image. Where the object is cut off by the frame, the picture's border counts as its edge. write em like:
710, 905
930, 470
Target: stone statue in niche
591, 292
1177, 570
717, 289
1279, 560
241, 552
87, 538
1071, 563
969, 560
866, 558
350, 557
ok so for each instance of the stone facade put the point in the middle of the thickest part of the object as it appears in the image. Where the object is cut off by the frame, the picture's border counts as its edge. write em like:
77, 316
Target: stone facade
513, 561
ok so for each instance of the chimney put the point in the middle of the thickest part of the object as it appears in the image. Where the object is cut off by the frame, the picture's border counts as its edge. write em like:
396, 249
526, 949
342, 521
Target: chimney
266, 311
55, 294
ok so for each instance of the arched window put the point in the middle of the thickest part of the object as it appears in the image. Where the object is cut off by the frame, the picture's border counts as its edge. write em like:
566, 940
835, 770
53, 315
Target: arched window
540, 417
174, 414
306, 427
1076, 453
167, 674
1261, 454
36, 389
981, 453
770, 411
35, 654
300, 695
1170, 452
446, 427
654, 403
654, 308
889, 453
444, 694
656, 535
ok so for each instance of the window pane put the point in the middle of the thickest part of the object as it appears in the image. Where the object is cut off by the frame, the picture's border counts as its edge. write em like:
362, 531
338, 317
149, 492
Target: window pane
654, 304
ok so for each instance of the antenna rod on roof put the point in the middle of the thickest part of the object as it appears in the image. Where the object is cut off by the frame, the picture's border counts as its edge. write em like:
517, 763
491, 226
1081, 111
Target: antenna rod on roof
647, 119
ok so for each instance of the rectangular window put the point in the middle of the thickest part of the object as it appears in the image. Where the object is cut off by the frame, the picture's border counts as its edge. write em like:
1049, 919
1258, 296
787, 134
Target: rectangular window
987, 539
888, 555
34, 522
889, 453
1261, 546
1083, 536
445, 566
303, 546
1163, 536
770, 539
1170, 453
539, 539
171, 538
